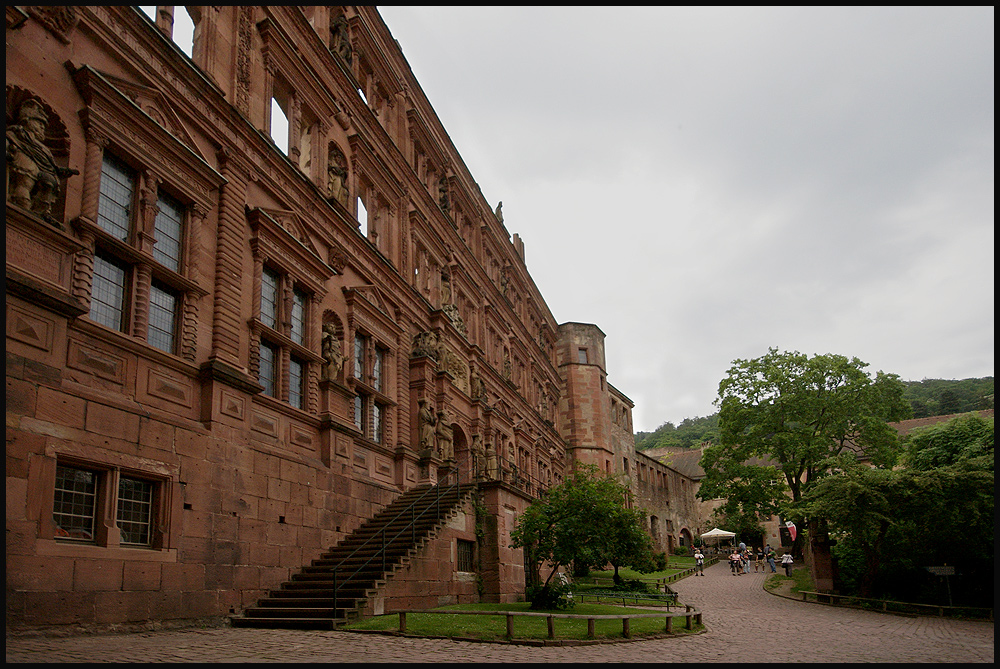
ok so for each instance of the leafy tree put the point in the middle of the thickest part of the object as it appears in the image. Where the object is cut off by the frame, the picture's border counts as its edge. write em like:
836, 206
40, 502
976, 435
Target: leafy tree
936, 510
582, 520
793, 412
861, 503
964, 438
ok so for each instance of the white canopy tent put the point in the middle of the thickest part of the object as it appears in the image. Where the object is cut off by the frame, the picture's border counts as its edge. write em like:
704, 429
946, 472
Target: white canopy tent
718, 534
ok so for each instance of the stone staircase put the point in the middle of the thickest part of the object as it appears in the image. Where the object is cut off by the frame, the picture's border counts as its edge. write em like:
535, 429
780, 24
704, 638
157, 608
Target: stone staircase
318, 598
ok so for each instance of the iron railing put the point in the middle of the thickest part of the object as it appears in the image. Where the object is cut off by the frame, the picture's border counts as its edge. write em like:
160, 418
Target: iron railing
438, 490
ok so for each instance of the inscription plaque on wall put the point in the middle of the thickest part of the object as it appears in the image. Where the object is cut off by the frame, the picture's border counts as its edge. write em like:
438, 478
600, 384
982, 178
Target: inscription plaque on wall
36, 257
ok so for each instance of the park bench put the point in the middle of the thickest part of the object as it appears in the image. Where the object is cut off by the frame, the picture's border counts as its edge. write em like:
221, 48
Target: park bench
653, 599
691, 616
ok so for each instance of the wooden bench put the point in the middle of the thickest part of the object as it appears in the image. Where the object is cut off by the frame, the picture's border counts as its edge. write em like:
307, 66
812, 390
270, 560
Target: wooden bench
690, 615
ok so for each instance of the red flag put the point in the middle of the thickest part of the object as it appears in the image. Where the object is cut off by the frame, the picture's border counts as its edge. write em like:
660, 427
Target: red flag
791, 529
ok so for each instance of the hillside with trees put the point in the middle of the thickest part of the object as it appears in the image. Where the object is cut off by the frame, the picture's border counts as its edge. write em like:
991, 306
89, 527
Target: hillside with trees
940, 397
930, 397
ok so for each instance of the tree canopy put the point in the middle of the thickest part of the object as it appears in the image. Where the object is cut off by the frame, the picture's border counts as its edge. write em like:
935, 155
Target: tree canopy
583, 519
793, 412
937, 508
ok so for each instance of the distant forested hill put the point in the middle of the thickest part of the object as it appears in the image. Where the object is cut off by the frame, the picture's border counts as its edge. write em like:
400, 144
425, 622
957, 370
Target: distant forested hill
930, 397
691, 433
939, 397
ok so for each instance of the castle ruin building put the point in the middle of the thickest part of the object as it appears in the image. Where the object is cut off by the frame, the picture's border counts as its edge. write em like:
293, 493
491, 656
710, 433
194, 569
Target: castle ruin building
232, 346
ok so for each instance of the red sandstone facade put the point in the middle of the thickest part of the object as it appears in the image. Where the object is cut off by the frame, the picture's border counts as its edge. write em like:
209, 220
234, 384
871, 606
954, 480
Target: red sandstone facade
220, 339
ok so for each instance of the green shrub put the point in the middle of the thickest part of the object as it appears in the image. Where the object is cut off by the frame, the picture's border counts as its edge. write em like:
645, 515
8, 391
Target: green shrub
550, 597
630, 585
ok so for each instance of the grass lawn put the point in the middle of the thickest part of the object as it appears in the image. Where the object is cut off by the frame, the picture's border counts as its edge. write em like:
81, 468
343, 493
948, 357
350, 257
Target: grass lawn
800, 580
677, 564
495, 627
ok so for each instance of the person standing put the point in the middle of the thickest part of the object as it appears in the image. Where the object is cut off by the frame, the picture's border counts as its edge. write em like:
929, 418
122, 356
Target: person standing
786, 562
699, 562
769, 554
758, 562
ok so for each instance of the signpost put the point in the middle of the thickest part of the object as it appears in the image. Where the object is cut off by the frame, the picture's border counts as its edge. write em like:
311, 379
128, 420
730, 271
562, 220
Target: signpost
945, 571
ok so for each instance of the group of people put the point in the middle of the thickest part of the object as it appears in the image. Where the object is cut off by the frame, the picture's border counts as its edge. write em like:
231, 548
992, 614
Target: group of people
741, 558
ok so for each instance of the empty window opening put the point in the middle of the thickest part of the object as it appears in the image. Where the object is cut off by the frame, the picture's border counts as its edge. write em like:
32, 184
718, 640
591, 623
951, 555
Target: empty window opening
279, 126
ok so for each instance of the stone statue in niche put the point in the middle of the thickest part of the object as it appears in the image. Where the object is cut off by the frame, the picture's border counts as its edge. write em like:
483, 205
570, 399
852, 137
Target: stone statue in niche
492, 466
332, 353
426, 423
32, 174
336, 175
478, 456
443, 193
340, 38
476, 387
445, 288
445, 436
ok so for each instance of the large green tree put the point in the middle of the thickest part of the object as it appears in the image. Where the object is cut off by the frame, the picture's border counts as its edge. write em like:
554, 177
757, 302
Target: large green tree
937, 508
793, 412
585, 519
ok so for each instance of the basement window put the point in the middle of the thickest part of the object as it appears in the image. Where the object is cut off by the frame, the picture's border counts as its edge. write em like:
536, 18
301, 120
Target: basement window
466, 552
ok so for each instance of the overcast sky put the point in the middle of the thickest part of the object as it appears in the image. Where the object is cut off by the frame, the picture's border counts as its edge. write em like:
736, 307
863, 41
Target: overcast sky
705, 183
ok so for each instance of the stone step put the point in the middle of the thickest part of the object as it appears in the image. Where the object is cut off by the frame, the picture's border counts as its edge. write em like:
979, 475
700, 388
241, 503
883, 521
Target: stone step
289, 623
294, 612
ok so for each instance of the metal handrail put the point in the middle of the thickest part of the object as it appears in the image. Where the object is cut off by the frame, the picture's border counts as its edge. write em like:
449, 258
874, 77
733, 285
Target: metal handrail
437, 489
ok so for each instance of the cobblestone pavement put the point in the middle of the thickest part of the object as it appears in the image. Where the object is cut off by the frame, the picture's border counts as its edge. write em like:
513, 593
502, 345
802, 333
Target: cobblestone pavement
744, 623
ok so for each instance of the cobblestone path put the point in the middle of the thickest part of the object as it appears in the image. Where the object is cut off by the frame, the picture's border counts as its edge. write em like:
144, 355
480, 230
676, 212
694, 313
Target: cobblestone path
745, 624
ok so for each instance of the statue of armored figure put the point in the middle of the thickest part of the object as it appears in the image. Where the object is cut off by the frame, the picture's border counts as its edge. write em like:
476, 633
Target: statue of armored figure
476, 388
32, 174
332, 354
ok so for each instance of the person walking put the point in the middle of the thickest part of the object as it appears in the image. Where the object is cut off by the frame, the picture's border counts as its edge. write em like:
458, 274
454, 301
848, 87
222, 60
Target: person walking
786, 562
769, 554
758, 562
746, 560
699, 562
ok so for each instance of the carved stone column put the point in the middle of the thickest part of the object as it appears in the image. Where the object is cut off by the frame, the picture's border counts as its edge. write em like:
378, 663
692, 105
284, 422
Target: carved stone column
140, 319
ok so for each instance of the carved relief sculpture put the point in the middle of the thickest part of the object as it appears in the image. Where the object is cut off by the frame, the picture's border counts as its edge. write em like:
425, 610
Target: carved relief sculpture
425, 343
32, 174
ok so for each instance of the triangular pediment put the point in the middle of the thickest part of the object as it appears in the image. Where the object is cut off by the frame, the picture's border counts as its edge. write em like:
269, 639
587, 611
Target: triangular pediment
292, 223
157, 107
374, 297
